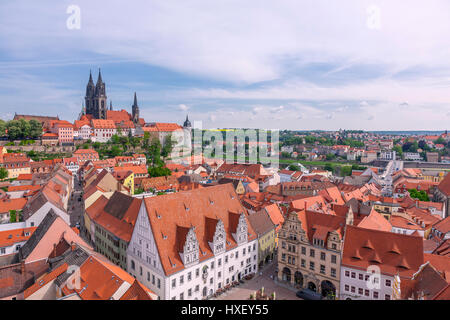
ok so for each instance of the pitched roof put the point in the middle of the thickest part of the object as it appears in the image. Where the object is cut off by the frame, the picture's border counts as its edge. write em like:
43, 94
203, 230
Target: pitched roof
138, 291
375, 221
50, 231
6, 205
10, 237
392, 252
443, 225
444, 185
169, 214
261, 222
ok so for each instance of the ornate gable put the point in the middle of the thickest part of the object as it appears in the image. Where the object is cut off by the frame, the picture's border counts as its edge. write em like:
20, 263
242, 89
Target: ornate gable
219, 238
190, 249
241, 235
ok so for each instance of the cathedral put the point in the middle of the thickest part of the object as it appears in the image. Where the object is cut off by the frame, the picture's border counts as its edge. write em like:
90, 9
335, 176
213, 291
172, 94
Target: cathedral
95, 101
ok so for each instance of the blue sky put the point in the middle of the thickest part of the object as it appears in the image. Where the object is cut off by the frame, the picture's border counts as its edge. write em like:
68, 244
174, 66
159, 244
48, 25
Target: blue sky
355, 64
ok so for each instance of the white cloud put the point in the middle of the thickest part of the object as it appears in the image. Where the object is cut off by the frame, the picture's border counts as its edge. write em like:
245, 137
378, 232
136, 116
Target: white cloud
183, 107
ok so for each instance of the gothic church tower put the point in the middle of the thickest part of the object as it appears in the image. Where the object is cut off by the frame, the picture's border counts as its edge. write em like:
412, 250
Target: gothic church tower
96, 97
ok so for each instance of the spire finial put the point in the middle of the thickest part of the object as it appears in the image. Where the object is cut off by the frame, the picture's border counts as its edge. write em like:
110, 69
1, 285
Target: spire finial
90, 76
99, 76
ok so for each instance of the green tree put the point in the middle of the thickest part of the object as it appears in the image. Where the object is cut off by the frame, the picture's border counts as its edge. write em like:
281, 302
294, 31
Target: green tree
159, 171
421, 195
168, 146
440, 140
25, 128
14, 130
115, 139
398, 150
3, 173
2, 128
294, 167
35, 129
154, 154
12, 216
331, 156
115, 151
146, 139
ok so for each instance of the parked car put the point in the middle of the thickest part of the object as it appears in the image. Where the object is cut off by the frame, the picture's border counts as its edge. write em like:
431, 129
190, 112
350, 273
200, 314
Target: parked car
307, 294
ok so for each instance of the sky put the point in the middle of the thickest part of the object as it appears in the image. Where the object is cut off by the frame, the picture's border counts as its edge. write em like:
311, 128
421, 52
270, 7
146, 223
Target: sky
299, 65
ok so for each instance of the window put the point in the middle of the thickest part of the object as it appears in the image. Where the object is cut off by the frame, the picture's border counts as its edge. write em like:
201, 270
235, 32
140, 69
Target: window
182, 296
347, 288
219, 274
322, 256
159, 283
387, 297
189, 276
181, 279
360, 291
226, 259
197, 272
174, 283
189, 292
132, 265
333, 272
303, 250
303, 262
360, 276
353, 289
353, 275
197, 288
153, 279
322, 269
311, 253
311, 265
388, 283
211, 280
366, 292
219, 263
347, 273
212, 265
375, 295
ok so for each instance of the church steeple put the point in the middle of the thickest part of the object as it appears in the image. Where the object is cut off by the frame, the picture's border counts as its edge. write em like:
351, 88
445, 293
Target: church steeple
135, 110
187, 123
90, 77
96, 97
99, 80
110, 105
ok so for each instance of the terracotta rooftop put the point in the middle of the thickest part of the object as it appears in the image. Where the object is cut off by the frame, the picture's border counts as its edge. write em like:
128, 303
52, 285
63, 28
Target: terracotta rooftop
392, 252
171, 214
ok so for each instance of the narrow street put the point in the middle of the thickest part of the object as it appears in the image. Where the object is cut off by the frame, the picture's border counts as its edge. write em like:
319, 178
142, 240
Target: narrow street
75, 206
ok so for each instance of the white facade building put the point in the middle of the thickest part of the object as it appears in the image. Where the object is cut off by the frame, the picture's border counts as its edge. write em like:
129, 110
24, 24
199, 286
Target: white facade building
194, 271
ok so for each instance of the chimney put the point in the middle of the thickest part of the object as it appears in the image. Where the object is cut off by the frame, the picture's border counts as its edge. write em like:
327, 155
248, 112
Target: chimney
22, 267
73, 245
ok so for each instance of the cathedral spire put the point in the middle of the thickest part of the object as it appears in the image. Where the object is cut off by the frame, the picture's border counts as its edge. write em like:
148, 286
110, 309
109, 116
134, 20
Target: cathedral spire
99, 80
135, 110
90, 77
135, 100
110, 105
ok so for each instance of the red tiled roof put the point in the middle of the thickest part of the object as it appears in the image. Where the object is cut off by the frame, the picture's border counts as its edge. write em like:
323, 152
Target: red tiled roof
392, 252
172, 215
7, 205
444, 185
